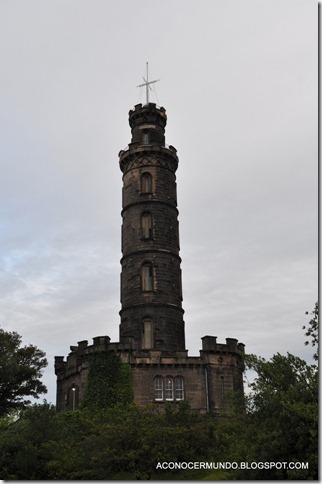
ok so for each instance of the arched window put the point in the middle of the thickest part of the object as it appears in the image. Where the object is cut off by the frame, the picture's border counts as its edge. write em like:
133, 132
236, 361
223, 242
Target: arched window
146, 183
168, 388
147, 276
179, 388
158, 388
147, 333
146, 225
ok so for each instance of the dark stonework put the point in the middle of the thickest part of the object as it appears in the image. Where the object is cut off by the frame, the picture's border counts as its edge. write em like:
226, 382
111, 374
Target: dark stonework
149, 188
152, 329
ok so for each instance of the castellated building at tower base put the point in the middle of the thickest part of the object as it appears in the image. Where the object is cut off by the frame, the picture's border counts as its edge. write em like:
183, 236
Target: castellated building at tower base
152, 328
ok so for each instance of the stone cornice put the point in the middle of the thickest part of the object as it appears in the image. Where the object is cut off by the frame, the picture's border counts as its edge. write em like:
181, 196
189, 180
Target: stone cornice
151, 251
142, 156
150, 304
148, 201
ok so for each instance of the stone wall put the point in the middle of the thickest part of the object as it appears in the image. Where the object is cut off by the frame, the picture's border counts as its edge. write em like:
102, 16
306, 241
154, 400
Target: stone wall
207, 379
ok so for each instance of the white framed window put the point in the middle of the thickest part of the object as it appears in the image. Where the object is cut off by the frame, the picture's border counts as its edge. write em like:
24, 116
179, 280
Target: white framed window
169, 388
158, 388
179, 388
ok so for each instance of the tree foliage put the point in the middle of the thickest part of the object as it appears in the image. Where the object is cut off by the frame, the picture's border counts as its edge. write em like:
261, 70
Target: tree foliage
20, 372
283, 414
110, 438
312, 330
122, 442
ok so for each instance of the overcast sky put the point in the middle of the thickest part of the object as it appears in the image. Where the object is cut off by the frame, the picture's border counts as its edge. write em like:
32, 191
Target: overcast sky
239, 84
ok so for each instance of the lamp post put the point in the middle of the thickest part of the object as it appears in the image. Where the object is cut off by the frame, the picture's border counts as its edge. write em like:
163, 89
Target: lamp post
74, 395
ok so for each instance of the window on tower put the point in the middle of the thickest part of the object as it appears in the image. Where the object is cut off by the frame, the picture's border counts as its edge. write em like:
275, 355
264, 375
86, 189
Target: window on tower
147, 333
145, 138
146, 183
147, 277
146, 225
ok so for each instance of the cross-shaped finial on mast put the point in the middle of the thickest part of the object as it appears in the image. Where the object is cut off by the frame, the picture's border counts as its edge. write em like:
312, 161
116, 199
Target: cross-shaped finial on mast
147, 83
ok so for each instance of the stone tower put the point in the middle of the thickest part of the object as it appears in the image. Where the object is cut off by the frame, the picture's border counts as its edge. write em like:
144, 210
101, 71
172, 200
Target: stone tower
152, 333
151, 295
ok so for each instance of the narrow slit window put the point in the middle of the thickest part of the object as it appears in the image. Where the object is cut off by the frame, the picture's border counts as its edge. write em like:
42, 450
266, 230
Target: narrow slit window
147, 333
145, 138
147, 277
146, 183
146, 226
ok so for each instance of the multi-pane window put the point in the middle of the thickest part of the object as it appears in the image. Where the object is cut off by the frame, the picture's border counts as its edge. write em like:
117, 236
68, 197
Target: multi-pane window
146, 225
179, 390
147, 333
146, 183
168, 388
147, 277
158, 388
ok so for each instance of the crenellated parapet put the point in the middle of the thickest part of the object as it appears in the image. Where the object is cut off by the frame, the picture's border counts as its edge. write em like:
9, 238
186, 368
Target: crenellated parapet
210, 346
147, 147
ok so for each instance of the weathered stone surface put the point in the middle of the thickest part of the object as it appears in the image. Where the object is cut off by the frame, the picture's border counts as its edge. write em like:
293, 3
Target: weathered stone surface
152, 329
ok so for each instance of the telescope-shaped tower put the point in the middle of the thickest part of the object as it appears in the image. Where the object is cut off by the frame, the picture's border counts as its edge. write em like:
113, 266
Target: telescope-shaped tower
152, 332
151, 291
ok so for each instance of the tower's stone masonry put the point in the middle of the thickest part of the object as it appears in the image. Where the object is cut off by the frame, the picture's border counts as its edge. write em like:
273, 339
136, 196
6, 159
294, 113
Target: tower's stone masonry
152, 328
151, 293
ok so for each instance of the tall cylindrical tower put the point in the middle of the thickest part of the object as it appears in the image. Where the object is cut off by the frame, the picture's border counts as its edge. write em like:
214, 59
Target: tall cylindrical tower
151, 293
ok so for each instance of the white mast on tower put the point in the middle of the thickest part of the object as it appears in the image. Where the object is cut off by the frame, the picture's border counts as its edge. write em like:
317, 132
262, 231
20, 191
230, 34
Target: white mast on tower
147, 83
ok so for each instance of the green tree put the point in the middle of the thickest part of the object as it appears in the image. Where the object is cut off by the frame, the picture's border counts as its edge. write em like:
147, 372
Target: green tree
20, 372
277, 421
283, 416
22, 452
312, 330
126, 442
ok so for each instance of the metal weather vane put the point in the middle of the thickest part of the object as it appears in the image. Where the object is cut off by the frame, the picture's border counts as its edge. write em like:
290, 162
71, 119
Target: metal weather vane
147, 83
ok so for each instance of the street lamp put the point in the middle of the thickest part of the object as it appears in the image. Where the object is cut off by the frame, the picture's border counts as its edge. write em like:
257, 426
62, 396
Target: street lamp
74, 395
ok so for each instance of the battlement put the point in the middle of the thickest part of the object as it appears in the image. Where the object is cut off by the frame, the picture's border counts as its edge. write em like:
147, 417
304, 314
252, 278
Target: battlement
149, 115
100, 343
209, 344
